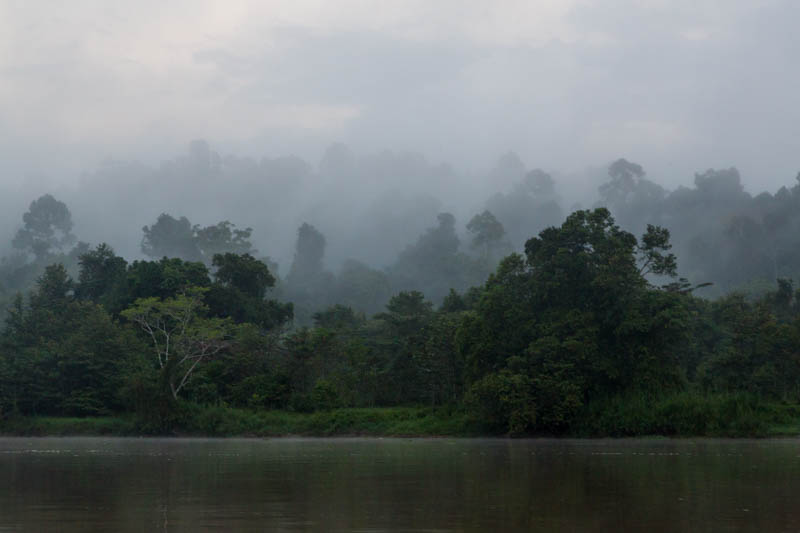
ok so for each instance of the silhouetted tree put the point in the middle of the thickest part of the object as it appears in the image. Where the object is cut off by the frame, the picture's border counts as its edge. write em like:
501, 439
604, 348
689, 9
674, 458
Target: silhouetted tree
47, 227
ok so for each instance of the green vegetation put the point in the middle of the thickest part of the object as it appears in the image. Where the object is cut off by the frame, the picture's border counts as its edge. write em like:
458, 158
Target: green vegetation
215, 421
63, 426
589, 332
689, 414
680, 415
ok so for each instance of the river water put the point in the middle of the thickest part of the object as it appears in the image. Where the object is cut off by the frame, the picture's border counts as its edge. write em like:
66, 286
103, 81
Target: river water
372, 485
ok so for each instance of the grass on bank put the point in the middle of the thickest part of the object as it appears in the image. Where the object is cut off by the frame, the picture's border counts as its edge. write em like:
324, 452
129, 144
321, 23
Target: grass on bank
689, 414
218, 421
683, 414
41, 426
387, 421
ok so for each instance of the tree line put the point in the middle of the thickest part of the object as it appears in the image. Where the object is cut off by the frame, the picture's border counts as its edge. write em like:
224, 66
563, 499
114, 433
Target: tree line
587, 316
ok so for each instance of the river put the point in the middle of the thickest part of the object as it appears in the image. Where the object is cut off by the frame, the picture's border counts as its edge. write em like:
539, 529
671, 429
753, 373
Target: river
373, 485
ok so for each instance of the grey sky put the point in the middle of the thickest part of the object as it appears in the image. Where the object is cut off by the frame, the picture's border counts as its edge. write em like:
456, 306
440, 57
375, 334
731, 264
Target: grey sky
675, 85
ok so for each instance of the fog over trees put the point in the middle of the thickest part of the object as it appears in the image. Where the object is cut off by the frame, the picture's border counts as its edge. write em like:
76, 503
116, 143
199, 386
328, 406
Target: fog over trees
543, 214
379, 224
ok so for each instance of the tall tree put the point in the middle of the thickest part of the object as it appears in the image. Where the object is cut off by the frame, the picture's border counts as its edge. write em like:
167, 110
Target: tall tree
487, 232
182, 337
47, 227
308, 255
530, 206
170, 237
572, 319
433, 265
632, 198
404, 321
625, 177
241, 283
102, 272
221, 238
59, 355
243, 272
308, 285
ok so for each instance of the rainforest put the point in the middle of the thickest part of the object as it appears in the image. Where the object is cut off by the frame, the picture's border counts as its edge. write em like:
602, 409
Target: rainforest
529, 319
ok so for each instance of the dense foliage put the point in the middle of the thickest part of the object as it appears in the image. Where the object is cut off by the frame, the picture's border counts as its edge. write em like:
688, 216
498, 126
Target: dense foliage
588, 331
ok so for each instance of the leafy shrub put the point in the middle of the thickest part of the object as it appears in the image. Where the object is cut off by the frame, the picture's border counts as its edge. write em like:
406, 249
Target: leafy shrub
504, 402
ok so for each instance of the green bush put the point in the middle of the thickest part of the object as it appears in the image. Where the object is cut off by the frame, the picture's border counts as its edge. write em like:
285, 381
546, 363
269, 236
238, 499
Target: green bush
678, 414
503, 402
324, 396
270, 391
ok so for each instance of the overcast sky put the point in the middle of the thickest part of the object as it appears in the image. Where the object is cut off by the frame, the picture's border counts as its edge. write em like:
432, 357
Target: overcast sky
676, 85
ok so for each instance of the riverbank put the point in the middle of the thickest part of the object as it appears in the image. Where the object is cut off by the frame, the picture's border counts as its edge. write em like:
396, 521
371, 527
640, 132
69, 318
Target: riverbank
675, 416
231, 422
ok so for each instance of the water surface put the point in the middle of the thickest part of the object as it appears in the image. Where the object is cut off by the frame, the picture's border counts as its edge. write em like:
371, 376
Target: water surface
372, 485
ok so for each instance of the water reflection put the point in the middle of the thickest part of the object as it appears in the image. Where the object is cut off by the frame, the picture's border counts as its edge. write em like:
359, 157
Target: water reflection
398, 485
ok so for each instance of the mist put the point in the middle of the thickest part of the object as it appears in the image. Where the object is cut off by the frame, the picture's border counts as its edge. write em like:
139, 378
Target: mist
676, 86
543, 218
367, 124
